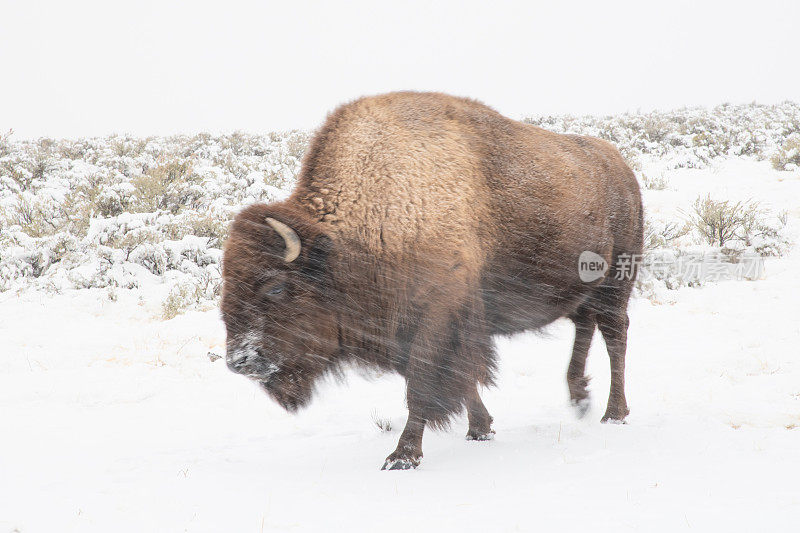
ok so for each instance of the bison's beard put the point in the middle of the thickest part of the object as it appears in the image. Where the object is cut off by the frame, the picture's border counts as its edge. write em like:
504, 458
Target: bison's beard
290, 390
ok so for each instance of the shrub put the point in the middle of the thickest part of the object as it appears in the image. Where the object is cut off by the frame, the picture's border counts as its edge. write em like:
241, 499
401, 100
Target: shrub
717, 143
717, 221
130, 241
112, 200
214, 229
690, 137
5, 143
632, 161
758, 233
72, 150
95, 212
42, 162
213, 226
30, 164
150, 256
383, 424
18, 173
184, 295
296, 143
164, 187
721, 223
126, 147
658, 183
33, 217
178, 300
663, 234
788, 155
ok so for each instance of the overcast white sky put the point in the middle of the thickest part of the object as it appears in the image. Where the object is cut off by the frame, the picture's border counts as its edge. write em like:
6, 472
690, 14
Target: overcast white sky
79, 68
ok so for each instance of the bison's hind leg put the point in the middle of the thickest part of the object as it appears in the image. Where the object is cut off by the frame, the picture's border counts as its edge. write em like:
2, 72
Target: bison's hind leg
614, 327
577, 381
612, 321
480, 421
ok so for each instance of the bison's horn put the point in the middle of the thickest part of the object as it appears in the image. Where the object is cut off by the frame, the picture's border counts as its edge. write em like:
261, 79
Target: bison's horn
289, 235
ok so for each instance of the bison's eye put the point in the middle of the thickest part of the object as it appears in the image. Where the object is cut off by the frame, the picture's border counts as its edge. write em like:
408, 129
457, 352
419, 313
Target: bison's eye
271, 285
274, 291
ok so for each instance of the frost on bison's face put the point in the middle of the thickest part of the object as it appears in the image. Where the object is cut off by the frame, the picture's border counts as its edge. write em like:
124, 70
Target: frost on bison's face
279, 331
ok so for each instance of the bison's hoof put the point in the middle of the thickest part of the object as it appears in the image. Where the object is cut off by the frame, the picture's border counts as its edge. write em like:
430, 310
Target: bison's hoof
616, 416
401, 463
581, 406
480, 435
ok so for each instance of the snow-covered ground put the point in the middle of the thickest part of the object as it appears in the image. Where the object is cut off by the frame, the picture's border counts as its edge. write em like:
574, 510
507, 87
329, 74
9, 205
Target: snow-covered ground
114, 419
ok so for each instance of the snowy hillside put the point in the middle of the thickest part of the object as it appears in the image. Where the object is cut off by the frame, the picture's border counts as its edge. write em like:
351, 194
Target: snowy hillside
116, 414
123, 213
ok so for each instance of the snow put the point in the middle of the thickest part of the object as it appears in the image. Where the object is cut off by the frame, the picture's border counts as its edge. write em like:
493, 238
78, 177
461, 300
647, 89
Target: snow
114, 419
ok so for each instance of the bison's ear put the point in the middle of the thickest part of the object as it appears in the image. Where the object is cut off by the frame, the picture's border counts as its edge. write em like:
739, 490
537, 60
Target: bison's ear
316, 263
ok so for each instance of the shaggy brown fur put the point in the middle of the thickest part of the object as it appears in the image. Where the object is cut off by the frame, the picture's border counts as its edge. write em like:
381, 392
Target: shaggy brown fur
429, 223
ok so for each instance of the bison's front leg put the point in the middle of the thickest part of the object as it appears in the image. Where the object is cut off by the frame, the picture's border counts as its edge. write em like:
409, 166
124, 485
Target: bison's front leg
431, 395
409, 449
446, 359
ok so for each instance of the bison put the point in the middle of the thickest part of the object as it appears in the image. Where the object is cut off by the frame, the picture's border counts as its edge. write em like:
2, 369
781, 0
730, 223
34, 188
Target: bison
421, 226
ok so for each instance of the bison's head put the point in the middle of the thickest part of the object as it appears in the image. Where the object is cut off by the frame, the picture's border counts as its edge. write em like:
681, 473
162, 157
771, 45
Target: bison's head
282, 329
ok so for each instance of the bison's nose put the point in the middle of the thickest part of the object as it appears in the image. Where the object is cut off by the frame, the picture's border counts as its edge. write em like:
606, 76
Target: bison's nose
237, 365
240, 358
